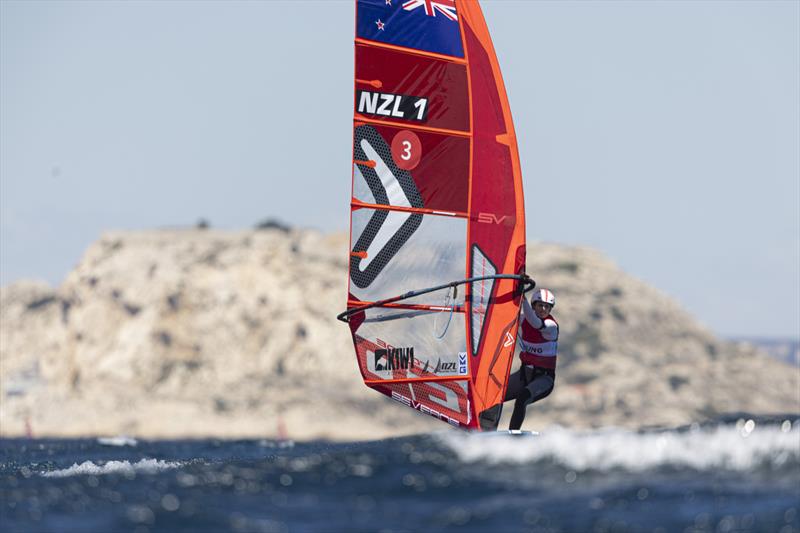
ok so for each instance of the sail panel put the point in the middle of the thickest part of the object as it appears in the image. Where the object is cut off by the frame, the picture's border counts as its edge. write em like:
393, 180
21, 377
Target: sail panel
493, 192
480, 294
394, 343
436, 164
433, 92
418, 24
447, 401
398, 251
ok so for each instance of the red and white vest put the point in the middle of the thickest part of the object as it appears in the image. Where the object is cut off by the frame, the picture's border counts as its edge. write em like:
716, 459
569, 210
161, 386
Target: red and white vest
536, 350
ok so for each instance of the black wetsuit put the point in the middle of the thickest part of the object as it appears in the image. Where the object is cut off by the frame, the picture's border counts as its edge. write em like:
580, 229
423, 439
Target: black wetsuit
527, 385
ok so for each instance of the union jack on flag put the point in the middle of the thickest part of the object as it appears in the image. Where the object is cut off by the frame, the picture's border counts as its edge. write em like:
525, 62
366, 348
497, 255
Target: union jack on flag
445, 7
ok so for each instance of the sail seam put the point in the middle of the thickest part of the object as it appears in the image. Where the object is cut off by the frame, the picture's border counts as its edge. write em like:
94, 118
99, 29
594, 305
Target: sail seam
361, 119
410, 51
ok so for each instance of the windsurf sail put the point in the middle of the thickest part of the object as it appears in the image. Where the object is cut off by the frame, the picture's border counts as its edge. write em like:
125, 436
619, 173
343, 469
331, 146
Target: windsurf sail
437, 227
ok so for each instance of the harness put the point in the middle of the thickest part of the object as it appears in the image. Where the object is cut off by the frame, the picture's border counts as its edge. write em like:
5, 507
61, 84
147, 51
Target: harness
536, 372
537, 351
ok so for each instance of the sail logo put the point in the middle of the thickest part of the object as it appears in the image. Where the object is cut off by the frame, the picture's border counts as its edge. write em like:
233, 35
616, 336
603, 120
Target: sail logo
444, 367
462, 363
509, 340
392, 105
421, 407
394, 358
491, 218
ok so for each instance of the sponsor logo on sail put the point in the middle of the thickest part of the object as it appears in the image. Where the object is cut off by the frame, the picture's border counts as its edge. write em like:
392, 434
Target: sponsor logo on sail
462, 363
419, 406
391, 358
447, 366
491, 218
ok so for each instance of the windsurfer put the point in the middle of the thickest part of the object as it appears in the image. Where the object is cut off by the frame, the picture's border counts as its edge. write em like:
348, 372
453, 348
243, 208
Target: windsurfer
536, 377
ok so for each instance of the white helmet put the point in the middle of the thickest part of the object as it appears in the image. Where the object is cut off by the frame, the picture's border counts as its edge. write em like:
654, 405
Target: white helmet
543, 295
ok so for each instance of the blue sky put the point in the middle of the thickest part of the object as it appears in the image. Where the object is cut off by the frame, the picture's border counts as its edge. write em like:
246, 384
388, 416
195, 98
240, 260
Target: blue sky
665, 134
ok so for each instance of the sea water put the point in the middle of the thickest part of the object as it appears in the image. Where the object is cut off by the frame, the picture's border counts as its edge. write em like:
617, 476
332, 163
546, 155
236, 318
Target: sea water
723, 477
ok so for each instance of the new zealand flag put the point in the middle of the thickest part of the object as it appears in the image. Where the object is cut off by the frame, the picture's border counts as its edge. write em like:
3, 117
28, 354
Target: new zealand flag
430, 25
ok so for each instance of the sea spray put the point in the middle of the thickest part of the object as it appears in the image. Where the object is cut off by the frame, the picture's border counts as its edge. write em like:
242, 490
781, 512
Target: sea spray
144, 466
723, 447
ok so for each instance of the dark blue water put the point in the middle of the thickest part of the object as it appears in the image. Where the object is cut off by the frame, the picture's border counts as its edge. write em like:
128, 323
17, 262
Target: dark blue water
728, 477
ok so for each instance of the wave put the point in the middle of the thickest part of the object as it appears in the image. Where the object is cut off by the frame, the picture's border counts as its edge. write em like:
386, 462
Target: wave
144, 466
121, 440
740, 448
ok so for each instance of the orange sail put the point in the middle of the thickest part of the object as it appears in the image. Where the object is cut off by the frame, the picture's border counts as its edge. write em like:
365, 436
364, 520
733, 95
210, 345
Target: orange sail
437, 248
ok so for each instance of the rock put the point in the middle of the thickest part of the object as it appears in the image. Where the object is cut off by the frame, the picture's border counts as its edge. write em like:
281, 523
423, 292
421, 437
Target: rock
178, 333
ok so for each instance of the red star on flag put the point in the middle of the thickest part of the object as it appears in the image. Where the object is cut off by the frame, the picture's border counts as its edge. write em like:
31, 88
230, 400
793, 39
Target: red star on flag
380, 24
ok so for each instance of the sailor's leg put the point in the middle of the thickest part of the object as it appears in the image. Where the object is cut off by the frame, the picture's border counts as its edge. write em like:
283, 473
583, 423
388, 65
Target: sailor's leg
515, 385
540, 387
520, 405
518, 391
490, 417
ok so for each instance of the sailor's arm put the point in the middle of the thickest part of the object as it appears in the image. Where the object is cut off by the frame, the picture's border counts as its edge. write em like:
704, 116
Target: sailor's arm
530, 314
548, 327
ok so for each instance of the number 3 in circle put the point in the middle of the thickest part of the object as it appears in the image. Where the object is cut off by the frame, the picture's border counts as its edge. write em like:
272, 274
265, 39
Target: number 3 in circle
406, 149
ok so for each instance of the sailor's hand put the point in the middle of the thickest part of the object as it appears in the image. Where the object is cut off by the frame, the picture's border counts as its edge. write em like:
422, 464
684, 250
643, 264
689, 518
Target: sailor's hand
523, 285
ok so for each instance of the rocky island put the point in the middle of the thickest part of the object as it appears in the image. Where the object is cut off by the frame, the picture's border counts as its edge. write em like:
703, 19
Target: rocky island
201, 332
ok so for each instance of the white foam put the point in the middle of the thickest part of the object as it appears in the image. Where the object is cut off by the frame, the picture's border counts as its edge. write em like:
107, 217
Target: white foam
120, 440
728, 448
282, 443
145, 466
